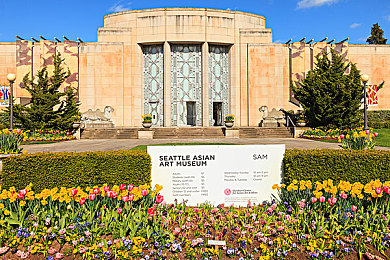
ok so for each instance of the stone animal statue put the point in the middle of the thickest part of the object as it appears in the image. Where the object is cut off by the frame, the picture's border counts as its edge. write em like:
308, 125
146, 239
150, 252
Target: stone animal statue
264, 110
97, 115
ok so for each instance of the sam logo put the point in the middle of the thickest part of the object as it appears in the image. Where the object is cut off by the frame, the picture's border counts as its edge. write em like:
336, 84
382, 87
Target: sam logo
260, 157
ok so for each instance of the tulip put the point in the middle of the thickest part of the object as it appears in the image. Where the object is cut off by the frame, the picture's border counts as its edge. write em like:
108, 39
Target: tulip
378, 190
386, 189
353, 208
313, 199
125, 199
114, 195
119, 210
122, 187
110, 193
59, 255
23, 192
96, 191
150, 211
82, 201
130, 187
131, 197
367, 131
343, 195
106, 188
91, 196
332, 201
376, 134
73, 191
20, 196
159, 199
321, 199
342, 136
144, 192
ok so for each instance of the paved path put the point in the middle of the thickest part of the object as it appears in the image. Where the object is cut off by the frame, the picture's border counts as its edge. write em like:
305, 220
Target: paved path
125, 144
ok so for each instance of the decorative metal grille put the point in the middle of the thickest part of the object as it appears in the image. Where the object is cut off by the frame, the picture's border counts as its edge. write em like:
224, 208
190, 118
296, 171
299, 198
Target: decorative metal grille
186, 82
154, 83
218, 78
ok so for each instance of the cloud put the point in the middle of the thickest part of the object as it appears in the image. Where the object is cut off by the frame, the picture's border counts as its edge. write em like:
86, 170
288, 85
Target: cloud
314, 3
354, 25
120, 6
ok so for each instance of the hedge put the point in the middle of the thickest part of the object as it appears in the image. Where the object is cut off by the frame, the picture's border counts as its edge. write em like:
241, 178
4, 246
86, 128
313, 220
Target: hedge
353, 166
379, 125
49, 170
378, 115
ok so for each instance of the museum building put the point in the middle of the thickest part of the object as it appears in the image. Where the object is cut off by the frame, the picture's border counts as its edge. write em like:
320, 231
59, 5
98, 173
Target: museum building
186, 66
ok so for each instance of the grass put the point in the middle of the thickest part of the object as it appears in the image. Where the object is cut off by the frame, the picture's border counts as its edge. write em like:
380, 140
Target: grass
143, 147
383, 139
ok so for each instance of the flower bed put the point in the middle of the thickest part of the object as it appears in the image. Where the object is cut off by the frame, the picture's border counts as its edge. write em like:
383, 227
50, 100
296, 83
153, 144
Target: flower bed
315, 221
47, 136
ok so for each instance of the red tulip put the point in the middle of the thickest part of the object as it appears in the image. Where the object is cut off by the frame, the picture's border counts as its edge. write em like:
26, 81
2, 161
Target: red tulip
376, 134
131, 197
119, 210
96, 191
23, 192
342, 136
313, 199
378, 190
150, 211
130, 187
332, 201
321, 199
106, 188
73, 191
122, 187
144, 192
343, 195
367, 131
91, 196
125, 199
114, 195
386, 189
82, 201
20, 196
159, 199
353, 208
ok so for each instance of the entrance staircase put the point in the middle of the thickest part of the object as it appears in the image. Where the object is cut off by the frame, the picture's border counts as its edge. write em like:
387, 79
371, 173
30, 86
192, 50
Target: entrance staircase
186, 132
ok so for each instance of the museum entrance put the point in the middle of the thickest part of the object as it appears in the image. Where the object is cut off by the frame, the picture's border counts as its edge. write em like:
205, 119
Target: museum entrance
217, 114
191, 113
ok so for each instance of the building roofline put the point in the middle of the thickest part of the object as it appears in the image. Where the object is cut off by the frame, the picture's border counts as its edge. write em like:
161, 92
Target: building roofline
184, 9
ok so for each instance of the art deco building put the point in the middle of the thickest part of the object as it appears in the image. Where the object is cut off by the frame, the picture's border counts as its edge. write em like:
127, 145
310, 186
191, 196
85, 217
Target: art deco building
186, 66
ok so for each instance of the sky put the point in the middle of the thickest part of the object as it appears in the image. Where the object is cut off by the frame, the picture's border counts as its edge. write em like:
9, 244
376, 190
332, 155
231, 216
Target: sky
288, 19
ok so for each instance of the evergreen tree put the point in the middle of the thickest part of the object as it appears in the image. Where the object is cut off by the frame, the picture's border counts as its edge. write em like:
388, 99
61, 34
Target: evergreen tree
330, 97
376, 35
49, 108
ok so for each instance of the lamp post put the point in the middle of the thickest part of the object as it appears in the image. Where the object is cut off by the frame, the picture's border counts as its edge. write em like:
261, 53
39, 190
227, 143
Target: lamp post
364, 79
11, 78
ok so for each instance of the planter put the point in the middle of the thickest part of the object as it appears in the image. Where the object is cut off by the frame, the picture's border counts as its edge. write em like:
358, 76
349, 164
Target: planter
301, 123
76, 125
146, 124
229, 123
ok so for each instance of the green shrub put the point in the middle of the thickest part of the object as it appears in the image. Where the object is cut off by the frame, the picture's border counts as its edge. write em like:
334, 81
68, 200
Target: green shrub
353, 166
379, 125
49, 170
378, 115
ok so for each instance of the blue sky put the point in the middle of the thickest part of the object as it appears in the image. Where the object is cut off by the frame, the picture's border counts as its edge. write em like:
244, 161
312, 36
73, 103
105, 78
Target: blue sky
336, 19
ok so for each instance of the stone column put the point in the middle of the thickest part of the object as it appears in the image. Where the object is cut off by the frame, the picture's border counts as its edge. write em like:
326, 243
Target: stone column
205, 84
167, 84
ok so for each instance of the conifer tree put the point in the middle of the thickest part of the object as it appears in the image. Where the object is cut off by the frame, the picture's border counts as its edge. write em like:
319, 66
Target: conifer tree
329, 96
376, 35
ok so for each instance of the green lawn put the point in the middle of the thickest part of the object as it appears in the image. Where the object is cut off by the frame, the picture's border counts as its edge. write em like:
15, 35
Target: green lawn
143, 147
383, 139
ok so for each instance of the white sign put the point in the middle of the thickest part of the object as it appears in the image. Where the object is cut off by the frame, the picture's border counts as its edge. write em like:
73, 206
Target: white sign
229, 174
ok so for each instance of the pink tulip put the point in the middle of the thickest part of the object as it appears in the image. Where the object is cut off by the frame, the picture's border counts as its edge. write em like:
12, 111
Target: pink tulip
343, 195
130, 187
125, 199
106, 188
20, 196
122, 187
82, 201
342, 136
367, 131
18, 131
353, 208
150, 211
159, 199
332, 201
73, 191
378, 190
376, 134
96, 191
386, 189
119, 210
313, 199
321, 199
110, 193
131, 197
91, 196
114, 195
23, 192
144, 192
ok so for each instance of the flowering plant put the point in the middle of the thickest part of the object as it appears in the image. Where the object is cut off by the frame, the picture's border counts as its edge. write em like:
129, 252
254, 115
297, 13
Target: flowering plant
10, 141
358, 140
229, 118
147, 118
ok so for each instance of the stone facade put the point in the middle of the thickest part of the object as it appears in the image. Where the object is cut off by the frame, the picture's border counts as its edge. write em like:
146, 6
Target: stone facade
186, 66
